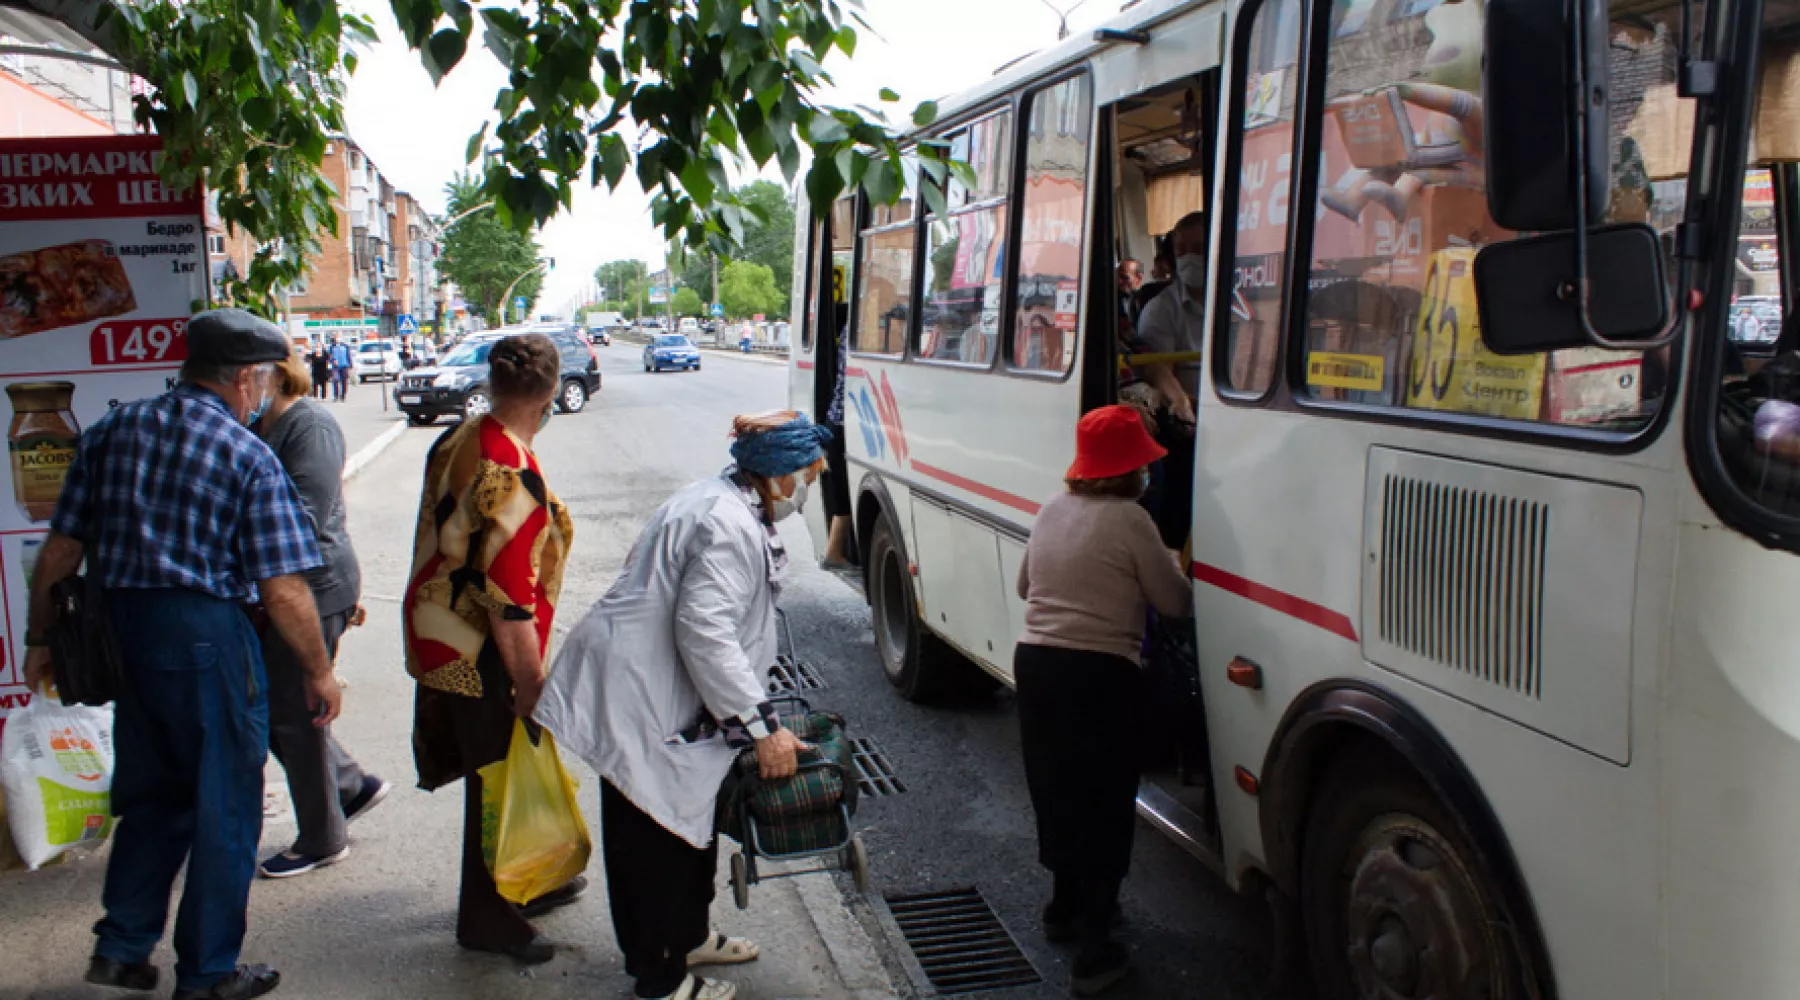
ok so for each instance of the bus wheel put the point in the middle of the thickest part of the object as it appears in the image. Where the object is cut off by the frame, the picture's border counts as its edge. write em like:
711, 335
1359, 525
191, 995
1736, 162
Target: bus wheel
1395, 902
910, 654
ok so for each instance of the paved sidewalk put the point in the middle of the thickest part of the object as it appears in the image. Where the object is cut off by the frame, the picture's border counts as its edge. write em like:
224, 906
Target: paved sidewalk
361, 415
380, 925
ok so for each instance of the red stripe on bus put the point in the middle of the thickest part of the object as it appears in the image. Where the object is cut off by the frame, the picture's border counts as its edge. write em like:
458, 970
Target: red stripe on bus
856, 372
1296, 607
979, 489
804, 365
1602, 366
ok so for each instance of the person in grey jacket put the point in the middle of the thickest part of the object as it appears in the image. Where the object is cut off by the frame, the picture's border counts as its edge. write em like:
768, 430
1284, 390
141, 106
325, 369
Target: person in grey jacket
328, 788
662, 683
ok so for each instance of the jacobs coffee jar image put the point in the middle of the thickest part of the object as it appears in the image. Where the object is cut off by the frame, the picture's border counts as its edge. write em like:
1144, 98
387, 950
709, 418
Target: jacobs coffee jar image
41, 443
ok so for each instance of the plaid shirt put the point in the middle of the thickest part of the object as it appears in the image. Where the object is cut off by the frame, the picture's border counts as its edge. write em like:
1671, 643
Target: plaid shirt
172, 493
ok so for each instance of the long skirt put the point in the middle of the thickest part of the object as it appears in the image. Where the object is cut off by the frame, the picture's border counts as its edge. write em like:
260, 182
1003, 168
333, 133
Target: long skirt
1077, 719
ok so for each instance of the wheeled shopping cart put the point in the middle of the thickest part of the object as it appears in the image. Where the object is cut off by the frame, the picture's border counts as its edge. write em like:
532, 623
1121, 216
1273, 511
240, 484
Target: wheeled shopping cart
804, 817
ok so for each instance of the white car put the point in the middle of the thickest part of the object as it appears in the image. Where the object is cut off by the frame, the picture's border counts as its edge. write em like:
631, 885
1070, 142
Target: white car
378, 359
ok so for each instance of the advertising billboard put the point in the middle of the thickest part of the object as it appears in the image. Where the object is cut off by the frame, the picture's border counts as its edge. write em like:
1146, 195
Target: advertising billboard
100, 268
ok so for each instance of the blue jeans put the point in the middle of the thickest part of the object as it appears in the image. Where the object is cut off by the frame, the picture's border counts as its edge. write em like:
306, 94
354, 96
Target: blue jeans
191, 731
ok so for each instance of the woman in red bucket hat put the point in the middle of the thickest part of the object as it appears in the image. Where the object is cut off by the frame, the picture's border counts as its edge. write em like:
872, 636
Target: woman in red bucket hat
1094, 560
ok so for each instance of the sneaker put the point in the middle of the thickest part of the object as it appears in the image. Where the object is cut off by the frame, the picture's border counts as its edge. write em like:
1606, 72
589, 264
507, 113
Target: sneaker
244, 982
103, 971
373, 791
287, 864
1099, 968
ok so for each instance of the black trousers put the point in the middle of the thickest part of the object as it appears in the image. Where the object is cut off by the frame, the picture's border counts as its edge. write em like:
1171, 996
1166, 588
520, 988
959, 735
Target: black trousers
484, 918
661, 891
1077, 713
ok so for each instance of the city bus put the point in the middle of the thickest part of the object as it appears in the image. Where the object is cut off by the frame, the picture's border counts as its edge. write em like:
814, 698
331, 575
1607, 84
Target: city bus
1493, 521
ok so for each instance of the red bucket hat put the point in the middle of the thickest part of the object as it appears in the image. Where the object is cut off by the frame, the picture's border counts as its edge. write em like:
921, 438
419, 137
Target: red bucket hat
1112, 441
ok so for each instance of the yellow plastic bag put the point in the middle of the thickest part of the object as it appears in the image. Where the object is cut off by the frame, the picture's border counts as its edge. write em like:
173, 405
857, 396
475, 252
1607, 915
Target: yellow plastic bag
533, 836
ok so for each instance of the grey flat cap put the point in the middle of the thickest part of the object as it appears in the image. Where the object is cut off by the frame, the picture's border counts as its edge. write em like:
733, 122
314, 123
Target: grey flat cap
234, 337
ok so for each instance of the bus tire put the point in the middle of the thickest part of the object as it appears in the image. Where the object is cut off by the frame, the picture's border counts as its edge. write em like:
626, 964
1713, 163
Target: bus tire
912, 658
1394, 900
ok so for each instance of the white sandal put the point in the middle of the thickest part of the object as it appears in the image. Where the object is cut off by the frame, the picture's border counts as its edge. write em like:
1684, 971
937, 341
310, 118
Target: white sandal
696, 988
722, 950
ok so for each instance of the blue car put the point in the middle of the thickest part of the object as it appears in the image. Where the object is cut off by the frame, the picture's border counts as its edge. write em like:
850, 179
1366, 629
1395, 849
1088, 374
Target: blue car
671, 350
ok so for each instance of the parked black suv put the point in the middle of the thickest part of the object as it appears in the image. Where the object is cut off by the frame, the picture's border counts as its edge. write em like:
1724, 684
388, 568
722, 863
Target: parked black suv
458, 384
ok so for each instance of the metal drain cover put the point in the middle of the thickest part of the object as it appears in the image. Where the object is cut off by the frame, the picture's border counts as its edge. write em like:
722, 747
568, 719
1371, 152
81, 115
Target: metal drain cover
960, 942
790, 676
874, 773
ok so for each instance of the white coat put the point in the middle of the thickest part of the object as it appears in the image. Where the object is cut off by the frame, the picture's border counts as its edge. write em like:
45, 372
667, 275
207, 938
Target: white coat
690, 624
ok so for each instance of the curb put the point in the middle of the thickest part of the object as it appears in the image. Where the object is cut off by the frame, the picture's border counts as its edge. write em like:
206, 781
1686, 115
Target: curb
741, 356
857, 958
367, 452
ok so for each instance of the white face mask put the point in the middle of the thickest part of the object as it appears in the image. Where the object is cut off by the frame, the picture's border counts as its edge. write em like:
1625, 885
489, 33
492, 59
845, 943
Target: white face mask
1191, 269
792, 504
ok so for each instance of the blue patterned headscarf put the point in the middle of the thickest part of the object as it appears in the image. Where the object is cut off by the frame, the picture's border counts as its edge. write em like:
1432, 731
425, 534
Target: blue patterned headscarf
789, 448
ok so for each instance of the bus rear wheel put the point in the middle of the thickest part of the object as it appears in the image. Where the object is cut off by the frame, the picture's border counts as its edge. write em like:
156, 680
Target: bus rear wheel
1396, 904
913, 659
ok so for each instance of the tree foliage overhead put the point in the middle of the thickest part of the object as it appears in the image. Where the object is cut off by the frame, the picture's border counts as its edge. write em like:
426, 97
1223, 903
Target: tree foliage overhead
483, 255
247, 92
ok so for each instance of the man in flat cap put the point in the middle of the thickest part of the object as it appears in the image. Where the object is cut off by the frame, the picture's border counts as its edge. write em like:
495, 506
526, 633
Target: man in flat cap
183, 515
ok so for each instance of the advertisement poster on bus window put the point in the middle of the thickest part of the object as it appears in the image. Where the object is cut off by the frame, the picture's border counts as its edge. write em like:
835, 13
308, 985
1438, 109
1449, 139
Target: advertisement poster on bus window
1451, 369
100, 267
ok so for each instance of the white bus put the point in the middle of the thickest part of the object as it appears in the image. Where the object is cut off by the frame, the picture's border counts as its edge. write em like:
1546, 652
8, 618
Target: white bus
1489, 685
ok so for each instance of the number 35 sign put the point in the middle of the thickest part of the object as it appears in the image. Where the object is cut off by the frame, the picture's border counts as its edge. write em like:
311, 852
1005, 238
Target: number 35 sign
138, 342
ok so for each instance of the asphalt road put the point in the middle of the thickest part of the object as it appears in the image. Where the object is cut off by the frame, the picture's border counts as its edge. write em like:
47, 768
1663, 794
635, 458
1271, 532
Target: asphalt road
964, 819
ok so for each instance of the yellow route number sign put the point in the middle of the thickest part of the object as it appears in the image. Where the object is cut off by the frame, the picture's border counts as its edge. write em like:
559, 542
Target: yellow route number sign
1361, 372
840, 283
1451, 369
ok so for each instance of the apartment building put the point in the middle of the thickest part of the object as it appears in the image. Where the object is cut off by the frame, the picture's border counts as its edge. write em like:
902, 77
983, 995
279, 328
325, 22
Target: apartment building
54, 83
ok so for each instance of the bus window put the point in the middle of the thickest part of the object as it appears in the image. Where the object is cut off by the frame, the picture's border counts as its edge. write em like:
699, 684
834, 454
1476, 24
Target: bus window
1759, 400
1391, 313
884, 302
965, 253
1057, 119
1249, 348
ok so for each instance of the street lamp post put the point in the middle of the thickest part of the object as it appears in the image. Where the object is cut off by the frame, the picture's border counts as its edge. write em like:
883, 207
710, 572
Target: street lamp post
506, 300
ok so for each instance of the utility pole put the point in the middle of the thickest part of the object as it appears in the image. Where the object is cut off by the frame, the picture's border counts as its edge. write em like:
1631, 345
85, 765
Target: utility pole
715, 270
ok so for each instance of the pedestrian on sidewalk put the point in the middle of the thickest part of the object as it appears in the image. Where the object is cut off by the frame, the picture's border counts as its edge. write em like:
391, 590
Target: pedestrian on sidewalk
340, 368
183, 514
1095, 559
487, 570
327, 786
682, 644
321, 369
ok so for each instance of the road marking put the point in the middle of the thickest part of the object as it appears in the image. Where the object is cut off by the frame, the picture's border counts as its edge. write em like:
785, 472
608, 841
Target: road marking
367, 452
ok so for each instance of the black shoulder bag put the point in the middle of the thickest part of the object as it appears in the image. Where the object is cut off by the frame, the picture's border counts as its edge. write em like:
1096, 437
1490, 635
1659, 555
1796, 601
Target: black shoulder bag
84, 654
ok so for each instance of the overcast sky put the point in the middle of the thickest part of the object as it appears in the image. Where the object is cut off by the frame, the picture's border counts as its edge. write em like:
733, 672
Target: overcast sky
417, 134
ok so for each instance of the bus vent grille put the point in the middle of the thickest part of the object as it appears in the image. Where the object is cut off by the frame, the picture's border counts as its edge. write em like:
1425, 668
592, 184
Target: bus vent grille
1462, 579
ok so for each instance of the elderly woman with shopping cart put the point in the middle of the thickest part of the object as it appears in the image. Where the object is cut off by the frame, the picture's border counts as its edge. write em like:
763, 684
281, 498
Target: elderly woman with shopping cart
665, 680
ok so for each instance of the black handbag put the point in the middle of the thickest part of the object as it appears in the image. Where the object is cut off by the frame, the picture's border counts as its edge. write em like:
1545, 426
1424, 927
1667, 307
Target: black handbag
84, 653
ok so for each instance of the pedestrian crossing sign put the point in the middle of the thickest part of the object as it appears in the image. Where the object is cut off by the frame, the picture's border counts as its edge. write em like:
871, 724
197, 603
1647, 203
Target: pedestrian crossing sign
407, 325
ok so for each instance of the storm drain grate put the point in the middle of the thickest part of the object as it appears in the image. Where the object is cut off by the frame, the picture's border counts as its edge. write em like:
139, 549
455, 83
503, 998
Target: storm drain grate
790, 676
874, 773
960, 942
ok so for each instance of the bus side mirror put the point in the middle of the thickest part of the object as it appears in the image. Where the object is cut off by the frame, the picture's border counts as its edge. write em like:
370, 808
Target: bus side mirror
1528, 112
1526, 290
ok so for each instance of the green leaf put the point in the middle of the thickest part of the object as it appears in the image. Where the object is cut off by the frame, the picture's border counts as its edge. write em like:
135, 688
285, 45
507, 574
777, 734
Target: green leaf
882, 182
806, 64
443, 52
825, 128
790, 159
925, 114
259, 113
823, 184
889, 96
476, 141
846, 40
698, 181
613, 159
190, 88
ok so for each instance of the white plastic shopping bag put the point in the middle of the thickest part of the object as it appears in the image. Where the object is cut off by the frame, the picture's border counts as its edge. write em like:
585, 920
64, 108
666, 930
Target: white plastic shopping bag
56, 763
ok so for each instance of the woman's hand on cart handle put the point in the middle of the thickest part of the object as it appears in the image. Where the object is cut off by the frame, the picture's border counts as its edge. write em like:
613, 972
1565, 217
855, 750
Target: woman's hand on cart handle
777, 754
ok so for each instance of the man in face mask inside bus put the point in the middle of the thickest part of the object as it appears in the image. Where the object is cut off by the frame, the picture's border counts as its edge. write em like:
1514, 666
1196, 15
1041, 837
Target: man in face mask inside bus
1175, 323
